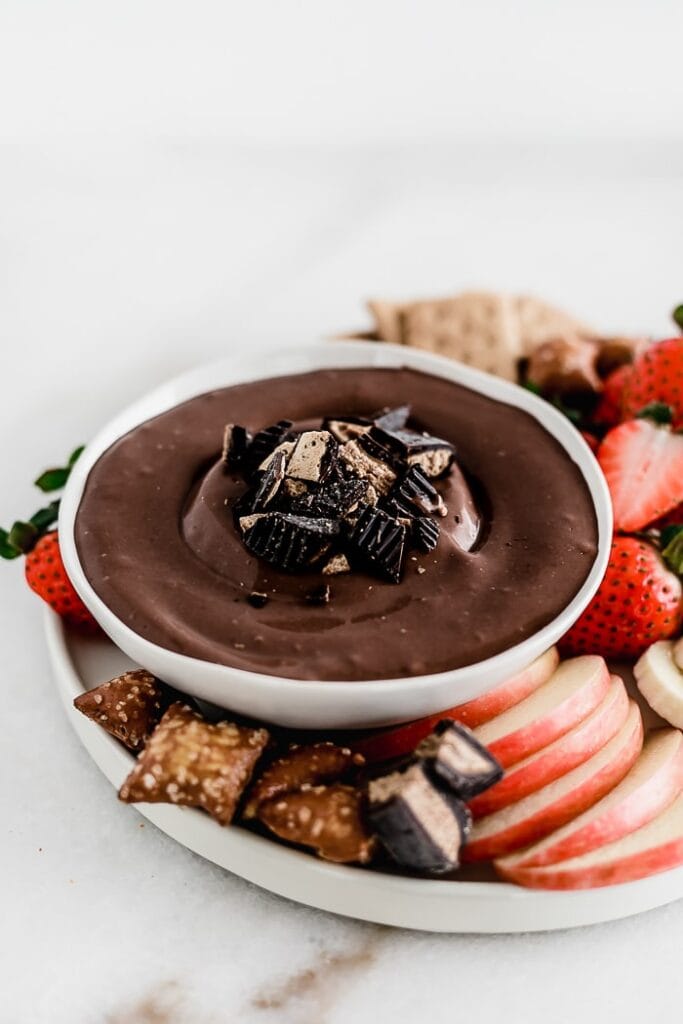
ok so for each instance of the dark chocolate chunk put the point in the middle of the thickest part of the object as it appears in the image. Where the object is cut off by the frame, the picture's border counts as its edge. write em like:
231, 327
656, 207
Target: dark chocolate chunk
264, 443
289, 542
270, 481
319, 595
346, 428
257, 599
433, 454
380, 540
417, 490
424, 533
453, 753
236, 440
373, 445
332, 500
420, 822
393, 419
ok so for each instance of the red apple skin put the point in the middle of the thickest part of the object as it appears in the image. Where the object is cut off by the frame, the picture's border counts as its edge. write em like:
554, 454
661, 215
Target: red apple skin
638, 808
664, 856
402, 739
488, 705
549, 817
565, 754
544, 730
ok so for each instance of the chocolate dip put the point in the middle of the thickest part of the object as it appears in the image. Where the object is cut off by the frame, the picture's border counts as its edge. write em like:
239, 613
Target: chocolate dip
156, 538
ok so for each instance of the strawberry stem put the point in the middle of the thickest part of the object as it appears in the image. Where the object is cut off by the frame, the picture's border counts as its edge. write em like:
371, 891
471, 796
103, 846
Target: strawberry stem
678, 316
672, 553
658, 412
23, 536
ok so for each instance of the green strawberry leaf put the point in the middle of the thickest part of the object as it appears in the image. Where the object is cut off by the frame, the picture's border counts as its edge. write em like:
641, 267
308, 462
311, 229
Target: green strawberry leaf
44, 518
669, 533
7, 550
658, 412
673, 551
75, 456
22, 536
529, 385
52, 479
678, 316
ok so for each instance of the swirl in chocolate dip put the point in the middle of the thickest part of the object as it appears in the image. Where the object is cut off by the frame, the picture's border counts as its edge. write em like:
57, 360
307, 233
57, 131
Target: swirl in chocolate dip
157, 541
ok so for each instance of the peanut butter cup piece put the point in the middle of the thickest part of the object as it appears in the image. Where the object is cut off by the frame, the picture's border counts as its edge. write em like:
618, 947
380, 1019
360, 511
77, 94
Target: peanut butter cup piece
393, 419
128, 707
236, 440
264, 444
425, 533
416, 489
326, 818
380, 540
453, 753
309, 765
422, 824
313, 452
290, 542
346, 428
194, 763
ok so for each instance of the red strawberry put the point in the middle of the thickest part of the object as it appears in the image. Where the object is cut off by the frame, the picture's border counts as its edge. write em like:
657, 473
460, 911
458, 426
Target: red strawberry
643, 466
657, 377
639, 601
591, 440
673, 518
609, 410
46, 575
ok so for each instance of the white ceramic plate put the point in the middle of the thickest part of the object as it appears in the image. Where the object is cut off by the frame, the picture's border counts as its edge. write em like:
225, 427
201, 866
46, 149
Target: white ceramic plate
308, 703
444, 906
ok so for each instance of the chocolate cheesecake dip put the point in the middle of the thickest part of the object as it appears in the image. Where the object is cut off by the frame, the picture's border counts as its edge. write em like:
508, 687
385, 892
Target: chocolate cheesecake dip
367, 543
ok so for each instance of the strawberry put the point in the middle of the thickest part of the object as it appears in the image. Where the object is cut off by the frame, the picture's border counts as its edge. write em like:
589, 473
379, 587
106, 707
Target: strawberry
657, 376
46, 575
638, 602
643, 464
591, 440
609, 409
37, 539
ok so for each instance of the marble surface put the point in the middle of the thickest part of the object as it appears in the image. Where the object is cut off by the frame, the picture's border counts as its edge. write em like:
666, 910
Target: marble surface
124, 261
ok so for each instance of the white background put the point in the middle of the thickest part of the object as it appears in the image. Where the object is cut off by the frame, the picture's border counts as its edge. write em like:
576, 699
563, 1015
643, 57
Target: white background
178, 180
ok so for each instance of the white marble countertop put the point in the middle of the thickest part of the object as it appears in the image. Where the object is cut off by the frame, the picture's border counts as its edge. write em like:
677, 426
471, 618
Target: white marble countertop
142, 231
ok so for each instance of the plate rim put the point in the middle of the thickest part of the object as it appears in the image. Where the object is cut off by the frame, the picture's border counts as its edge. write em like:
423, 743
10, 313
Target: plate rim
421, 904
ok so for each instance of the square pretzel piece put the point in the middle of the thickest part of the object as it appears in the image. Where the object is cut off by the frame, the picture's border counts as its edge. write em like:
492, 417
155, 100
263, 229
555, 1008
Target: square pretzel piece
194, 763
129, 707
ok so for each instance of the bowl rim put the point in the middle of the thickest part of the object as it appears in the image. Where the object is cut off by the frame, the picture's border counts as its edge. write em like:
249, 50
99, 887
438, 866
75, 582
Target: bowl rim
308, 357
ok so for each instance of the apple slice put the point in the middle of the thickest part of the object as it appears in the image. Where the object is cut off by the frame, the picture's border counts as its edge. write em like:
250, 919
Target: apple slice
653, 783
562, 756
539, 814
657, 846
571, 694
402, 739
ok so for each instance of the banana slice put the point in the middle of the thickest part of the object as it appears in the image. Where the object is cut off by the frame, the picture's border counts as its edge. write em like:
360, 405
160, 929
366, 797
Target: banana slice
678, 653
660, 681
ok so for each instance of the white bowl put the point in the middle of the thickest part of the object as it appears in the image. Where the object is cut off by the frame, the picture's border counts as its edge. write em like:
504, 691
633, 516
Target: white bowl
309, 703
